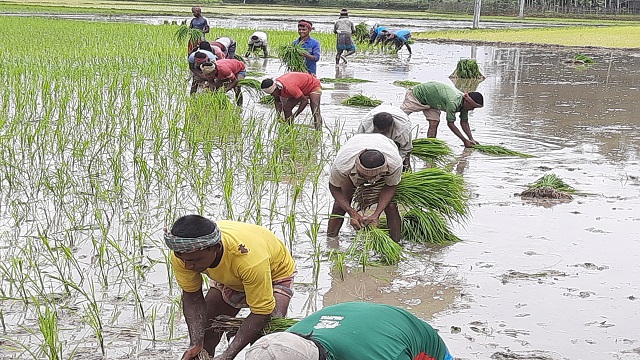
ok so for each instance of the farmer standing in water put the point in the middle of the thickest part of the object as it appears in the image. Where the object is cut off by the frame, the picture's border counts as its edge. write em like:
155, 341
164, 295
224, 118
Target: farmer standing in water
311, 45
198, 22
344, 29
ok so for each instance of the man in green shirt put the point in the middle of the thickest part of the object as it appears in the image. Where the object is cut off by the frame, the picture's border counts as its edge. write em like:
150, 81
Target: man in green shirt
433, 97
354, 330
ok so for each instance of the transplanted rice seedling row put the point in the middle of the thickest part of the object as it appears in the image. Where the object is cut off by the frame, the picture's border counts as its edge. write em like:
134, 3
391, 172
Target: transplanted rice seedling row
100, 148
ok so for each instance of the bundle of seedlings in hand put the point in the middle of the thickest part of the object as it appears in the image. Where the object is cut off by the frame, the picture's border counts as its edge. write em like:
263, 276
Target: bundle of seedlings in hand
429, 189
375, 240
267, 100
549, 186
251, 83
224, 323
500, 151
362, 32
291, 57
420, 226
467, 69
406, 83
361, 100
343, 80
186, 33
431, 150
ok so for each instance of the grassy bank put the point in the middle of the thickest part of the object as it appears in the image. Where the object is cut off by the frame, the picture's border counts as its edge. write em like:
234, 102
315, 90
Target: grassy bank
625, 37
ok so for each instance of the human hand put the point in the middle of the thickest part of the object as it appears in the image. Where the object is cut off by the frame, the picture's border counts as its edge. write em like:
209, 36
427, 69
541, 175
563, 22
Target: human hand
192, 352
372, 220
357, 221
468, 144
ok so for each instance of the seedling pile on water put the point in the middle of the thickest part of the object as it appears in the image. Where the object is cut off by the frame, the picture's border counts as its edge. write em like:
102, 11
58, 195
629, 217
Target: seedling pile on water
343, 80
499, 151
583, 59
361, 100
467, 69
406, 83
549, 186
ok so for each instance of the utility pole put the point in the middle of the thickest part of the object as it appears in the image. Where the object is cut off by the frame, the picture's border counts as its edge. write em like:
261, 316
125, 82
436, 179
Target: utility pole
521, 13
476, 14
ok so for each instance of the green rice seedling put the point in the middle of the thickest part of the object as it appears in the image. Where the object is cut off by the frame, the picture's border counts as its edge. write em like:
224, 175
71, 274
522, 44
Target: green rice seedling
499, 151
583, 59
48, 326
431, 150
251, 83
343, 80
239, 58
467, 69
379, 241
406, 83
552, 181
267, 100
186, 33
549, 186
362, 32
420, 226
291, 57
338, 258
224, 323
361, 100
255, 73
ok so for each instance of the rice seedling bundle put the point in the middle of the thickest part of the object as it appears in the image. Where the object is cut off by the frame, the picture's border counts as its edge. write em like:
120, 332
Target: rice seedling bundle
466, 85
225, 323
251, 83
467, 69
267, 100
552, 181
500, 151
344, 80
374, 240
255, 73
406, 83
431, 150
429, 189
583, 58
186, 33
239, 58
291, 57
361, 100
420, 226
362, 32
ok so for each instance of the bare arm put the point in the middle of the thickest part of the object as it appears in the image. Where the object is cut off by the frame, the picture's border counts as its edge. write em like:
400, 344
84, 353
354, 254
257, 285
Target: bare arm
194, 309
342, 200
249, 332
467, 130
277, 101
386, 195
304, 100
231, 84
454, 129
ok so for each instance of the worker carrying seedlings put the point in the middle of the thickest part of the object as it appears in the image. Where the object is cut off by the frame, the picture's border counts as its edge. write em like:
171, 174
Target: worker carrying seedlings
354, 330
393, 123
198, 22
364, 160
258, 41
227, 73
311, 45
433, 97
295, 89
227, 45
344, 29
248, 267
397, 38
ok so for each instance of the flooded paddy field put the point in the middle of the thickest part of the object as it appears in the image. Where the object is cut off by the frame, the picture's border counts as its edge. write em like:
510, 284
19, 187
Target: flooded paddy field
95, 166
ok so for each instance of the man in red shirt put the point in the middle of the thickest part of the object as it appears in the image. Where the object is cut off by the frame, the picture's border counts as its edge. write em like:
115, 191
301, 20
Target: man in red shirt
227, 73
295, 89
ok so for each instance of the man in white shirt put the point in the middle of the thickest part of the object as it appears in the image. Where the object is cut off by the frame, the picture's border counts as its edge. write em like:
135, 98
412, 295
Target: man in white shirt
393, 123
365, 159
257, 41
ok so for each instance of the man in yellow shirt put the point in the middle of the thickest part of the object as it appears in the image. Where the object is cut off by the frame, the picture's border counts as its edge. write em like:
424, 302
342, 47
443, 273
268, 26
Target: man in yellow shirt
248, 267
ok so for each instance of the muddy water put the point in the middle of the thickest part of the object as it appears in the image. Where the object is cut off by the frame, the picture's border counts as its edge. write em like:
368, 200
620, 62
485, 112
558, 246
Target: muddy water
539, 279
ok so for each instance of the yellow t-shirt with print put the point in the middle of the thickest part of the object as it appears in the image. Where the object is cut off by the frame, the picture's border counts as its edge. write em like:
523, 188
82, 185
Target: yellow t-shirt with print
252, 259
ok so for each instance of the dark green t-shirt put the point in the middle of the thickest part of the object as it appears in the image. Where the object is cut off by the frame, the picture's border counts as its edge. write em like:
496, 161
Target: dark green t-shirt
366, 331
442, 97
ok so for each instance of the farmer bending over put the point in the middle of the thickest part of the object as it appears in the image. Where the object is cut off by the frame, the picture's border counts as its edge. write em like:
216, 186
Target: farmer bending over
364, 160
227, 45
227, 73
248, 267
295, 88
199, 58
344, 29
398, 38
433, 97
393, 123
311, 45
257, 41
375, 34
354, 330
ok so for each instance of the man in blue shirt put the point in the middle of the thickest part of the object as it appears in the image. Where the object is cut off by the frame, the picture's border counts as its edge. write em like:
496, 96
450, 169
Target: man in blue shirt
311, 45
375, 34
398, 38
198, 21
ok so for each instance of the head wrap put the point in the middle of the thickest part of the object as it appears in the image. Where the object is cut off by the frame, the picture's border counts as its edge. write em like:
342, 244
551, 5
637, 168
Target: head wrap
305, 23
273, 87
344, 12
186, 245
370, 172
283, 346
475, 98
208, 67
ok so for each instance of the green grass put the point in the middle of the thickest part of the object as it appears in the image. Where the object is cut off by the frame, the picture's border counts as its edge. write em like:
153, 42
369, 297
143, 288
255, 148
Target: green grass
602, 36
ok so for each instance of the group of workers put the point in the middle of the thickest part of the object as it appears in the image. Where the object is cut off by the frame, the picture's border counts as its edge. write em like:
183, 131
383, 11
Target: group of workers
248, 266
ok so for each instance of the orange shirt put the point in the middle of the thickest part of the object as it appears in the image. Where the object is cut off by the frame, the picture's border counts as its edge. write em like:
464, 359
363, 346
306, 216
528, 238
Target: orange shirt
229, 68
297, 84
